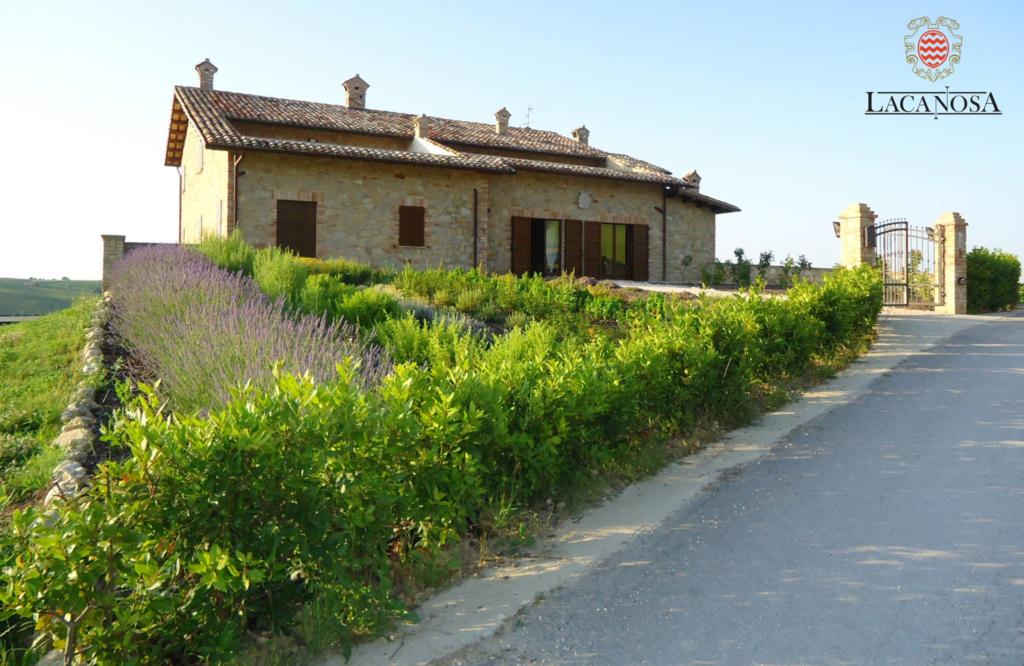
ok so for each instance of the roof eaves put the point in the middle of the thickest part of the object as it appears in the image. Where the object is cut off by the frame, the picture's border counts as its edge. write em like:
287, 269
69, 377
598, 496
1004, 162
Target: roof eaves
176, 134
717, 205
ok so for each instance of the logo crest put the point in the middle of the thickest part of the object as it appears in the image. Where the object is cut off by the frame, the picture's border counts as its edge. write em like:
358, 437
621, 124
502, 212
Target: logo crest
933, 49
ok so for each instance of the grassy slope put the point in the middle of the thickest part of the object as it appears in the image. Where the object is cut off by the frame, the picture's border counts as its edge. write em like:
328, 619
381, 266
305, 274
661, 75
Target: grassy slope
39, 362
33, 297
38, 366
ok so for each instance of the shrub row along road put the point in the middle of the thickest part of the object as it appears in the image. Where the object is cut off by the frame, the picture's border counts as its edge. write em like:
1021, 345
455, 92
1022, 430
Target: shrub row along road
890, 530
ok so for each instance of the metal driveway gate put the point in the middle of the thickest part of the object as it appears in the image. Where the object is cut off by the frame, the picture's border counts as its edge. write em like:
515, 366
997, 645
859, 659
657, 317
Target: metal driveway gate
908, 257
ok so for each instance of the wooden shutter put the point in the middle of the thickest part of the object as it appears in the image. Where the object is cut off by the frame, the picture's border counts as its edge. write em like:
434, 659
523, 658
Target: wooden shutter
573, 259
640, 254
296, 227
411, 226
520, 245
592, 249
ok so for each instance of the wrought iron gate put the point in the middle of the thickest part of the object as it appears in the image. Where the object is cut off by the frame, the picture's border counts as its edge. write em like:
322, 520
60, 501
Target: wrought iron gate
908, 257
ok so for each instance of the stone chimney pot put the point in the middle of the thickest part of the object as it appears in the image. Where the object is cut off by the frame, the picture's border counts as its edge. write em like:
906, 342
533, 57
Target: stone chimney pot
206, 71
422, 125
502, 116
692, 180
582, 134
355, 92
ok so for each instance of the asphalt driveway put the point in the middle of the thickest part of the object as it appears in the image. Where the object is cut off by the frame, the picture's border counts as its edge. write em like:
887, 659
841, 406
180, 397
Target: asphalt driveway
888, 530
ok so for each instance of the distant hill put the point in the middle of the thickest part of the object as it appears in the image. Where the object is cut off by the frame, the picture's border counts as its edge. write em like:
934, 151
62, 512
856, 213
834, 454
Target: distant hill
20, 296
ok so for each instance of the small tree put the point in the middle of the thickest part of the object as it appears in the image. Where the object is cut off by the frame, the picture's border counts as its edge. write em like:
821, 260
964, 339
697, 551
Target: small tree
741, 269
764, 262
992, 280
789, 271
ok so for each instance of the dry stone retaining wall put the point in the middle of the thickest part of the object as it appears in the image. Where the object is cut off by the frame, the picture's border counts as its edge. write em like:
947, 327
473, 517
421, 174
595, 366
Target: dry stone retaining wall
78, 433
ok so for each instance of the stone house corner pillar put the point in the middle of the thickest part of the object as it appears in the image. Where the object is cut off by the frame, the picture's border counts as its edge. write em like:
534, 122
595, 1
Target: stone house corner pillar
953, 230
483, 209
853, 235
113, 250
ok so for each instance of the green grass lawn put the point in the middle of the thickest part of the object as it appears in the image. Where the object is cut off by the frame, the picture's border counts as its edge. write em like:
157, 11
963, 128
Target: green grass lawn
19, 296
39, 362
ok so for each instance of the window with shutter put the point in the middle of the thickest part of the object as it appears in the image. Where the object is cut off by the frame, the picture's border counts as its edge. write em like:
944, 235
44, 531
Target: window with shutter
296, 226
411, 221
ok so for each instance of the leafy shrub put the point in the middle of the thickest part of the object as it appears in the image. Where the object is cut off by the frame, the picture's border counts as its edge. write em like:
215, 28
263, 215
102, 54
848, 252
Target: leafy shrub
366, 307
517, 320
438, 345
992, 279
223, 524
470, 300
231, 253
296, 490
847, 303
713, 274
322, 294
202, 330
350, 272
280, 274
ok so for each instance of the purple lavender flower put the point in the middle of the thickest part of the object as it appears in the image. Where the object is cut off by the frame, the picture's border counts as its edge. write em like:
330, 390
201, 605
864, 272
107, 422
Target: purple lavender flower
203, 330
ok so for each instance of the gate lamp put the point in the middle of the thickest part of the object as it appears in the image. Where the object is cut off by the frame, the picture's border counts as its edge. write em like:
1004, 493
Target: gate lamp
836, 226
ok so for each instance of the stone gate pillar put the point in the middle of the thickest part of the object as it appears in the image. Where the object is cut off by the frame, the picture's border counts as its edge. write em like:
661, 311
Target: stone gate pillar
853, 235
953, 255
113, 250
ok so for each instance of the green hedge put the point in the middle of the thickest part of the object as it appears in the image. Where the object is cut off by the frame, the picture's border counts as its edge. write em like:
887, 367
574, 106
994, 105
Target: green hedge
992, 280
304, 496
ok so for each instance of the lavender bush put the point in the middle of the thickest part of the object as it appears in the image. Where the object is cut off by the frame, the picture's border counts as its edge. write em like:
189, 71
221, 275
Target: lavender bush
202, 330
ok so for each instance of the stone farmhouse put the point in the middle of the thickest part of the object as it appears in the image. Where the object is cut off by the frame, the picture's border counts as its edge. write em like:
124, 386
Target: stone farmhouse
387, 188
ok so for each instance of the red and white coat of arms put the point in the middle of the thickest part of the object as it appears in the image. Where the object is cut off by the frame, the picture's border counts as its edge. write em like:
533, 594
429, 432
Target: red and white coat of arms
933, 48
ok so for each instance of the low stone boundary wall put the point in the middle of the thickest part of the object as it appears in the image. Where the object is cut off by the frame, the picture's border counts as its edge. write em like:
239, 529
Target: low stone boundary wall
79, 421
115, 247
775, 274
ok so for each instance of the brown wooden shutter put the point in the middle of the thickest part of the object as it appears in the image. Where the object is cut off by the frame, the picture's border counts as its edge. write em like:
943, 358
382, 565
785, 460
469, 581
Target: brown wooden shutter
574, 247
592, 249
296, 227
520, 245
640, 254
410, 226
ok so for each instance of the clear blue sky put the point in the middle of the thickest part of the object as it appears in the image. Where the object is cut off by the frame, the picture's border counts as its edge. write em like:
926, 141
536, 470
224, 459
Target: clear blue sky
765, 100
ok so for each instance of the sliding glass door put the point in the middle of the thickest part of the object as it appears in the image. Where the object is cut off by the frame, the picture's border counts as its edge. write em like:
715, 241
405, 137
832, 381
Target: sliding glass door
616, 255
546, 247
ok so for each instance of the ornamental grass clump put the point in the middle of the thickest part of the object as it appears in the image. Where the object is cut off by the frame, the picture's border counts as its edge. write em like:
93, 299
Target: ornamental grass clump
202, 330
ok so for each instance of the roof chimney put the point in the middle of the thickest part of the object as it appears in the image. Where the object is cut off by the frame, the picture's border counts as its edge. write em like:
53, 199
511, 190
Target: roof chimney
582, 134
692, 180
355, 92
421, 124
206, 71
502, 117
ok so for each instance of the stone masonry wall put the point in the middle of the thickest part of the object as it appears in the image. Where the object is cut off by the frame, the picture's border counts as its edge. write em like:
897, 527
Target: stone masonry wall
358, 202
691, 233
691, 229
204, 197
357, 207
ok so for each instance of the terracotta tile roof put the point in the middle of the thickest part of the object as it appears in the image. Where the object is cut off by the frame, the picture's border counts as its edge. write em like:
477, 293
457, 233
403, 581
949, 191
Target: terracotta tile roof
680, 188
456, 161
212, 113
597, 172
634, 163
525, 139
